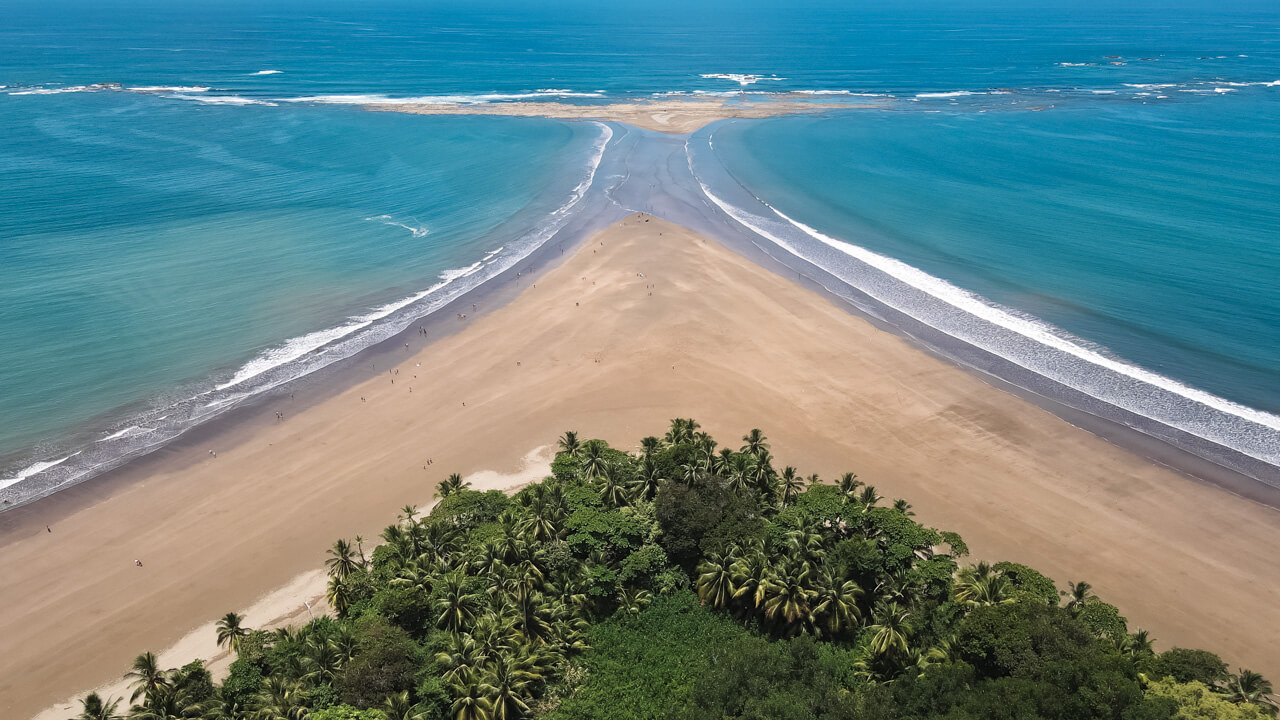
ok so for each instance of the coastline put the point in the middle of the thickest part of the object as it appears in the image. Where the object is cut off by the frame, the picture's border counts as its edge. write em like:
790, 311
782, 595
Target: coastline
1111, 511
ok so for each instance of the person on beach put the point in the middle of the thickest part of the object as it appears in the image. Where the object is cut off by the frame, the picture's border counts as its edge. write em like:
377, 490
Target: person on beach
46, 527
138, 563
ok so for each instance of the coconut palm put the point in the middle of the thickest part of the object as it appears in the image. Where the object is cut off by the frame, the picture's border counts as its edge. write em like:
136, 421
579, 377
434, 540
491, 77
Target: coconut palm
230, 633
569, 444
1077, 594
461, 659
93, 707
753, 575
792, 485
650, 479
648, 446
715, 581
1248, 687
339, 596
507, 687
681, 431
471, 701
613, 491
632, 601
594, 462
342, 560
754, 442
849, 485
835, 604
903, 507
889, 633
146, 677
789, 597
869, 496
457, 606
166, 703
401, 707
451, 485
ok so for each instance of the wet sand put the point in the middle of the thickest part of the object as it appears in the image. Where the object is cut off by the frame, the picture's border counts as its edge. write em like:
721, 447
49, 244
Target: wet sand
587, 347
667, 116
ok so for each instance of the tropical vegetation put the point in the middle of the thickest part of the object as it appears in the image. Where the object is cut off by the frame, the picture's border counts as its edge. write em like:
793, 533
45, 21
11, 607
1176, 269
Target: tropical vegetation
687, 580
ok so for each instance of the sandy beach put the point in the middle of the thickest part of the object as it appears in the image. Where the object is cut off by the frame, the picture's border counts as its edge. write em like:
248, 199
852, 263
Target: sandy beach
645, 322
668, 116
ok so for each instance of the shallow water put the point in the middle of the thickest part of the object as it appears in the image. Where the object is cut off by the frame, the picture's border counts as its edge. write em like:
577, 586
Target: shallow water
226, 218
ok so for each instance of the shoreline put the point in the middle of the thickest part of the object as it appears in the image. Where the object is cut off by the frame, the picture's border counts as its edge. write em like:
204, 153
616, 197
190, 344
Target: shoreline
1131, 528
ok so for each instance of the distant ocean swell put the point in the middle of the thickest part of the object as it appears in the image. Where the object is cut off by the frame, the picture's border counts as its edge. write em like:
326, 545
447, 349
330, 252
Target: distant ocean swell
1025, 341
290, 360
1142, 92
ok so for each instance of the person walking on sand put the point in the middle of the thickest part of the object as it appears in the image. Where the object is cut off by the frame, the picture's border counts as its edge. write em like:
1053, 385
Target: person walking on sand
138, 563
46, 527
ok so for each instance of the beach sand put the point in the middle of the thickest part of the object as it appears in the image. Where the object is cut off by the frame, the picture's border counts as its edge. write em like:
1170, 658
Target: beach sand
588, 348
667, 116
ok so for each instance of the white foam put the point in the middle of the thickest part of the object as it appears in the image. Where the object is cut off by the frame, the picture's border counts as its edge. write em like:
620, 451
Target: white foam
267, 72
742, 79
219, 99
33, 469
417, 230
1031, 328
954, 93
1066, 64
130, 431
1103, 92
53, 91
169, 88
439, 99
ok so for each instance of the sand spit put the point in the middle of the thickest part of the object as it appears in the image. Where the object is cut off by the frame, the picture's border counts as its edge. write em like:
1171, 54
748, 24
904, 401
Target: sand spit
668, 116
645, 322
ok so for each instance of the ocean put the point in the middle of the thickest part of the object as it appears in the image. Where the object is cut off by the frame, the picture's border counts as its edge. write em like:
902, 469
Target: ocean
195, 207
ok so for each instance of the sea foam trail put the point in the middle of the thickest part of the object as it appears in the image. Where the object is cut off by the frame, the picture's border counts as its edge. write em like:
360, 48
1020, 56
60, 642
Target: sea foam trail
297, 357
1039, 347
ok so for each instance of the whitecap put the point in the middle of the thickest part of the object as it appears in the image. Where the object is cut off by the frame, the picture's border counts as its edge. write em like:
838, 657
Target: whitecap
169, 88
33, 469
267, 72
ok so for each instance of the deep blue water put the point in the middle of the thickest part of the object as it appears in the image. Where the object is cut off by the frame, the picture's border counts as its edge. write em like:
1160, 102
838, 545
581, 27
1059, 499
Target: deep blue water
191, 197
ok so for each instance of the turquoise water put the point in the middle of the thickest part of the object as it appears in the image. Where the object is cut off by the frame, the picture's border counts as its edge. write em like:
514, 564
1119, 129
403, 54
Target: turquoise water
194, 207
150, 250
1150, 232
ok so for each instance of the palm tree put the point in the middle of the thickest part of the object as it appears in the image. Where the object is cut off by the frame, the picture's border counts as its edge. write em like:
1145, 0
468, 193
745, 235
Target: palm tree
506, 686
613, 492
462, 658
789, 598
408, 513
754, 442
889, 633
457, 606
869, 496
471, 702
400, 707
715, 581
166, 704
93, 707
650, 478
339, 596
1139, 643
230, 633
1077, 594
342, 560
682, 431
360, 547
792, 485
753, 574
649, 446
849, 485
451, 485
632, 601
903, 507
594, 463
835, 604
569, 444
1248, 688
146, 677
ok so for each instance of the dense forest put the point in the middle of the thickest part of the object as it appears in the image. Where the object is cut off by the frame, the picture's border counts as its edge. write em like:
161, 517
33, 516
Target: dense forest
684, 580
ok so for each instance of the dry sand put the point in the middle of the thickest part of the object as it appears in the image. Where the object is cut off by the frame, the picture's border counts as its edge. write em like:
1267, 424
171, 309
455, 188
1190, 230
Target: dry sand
588, 348
668, 116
